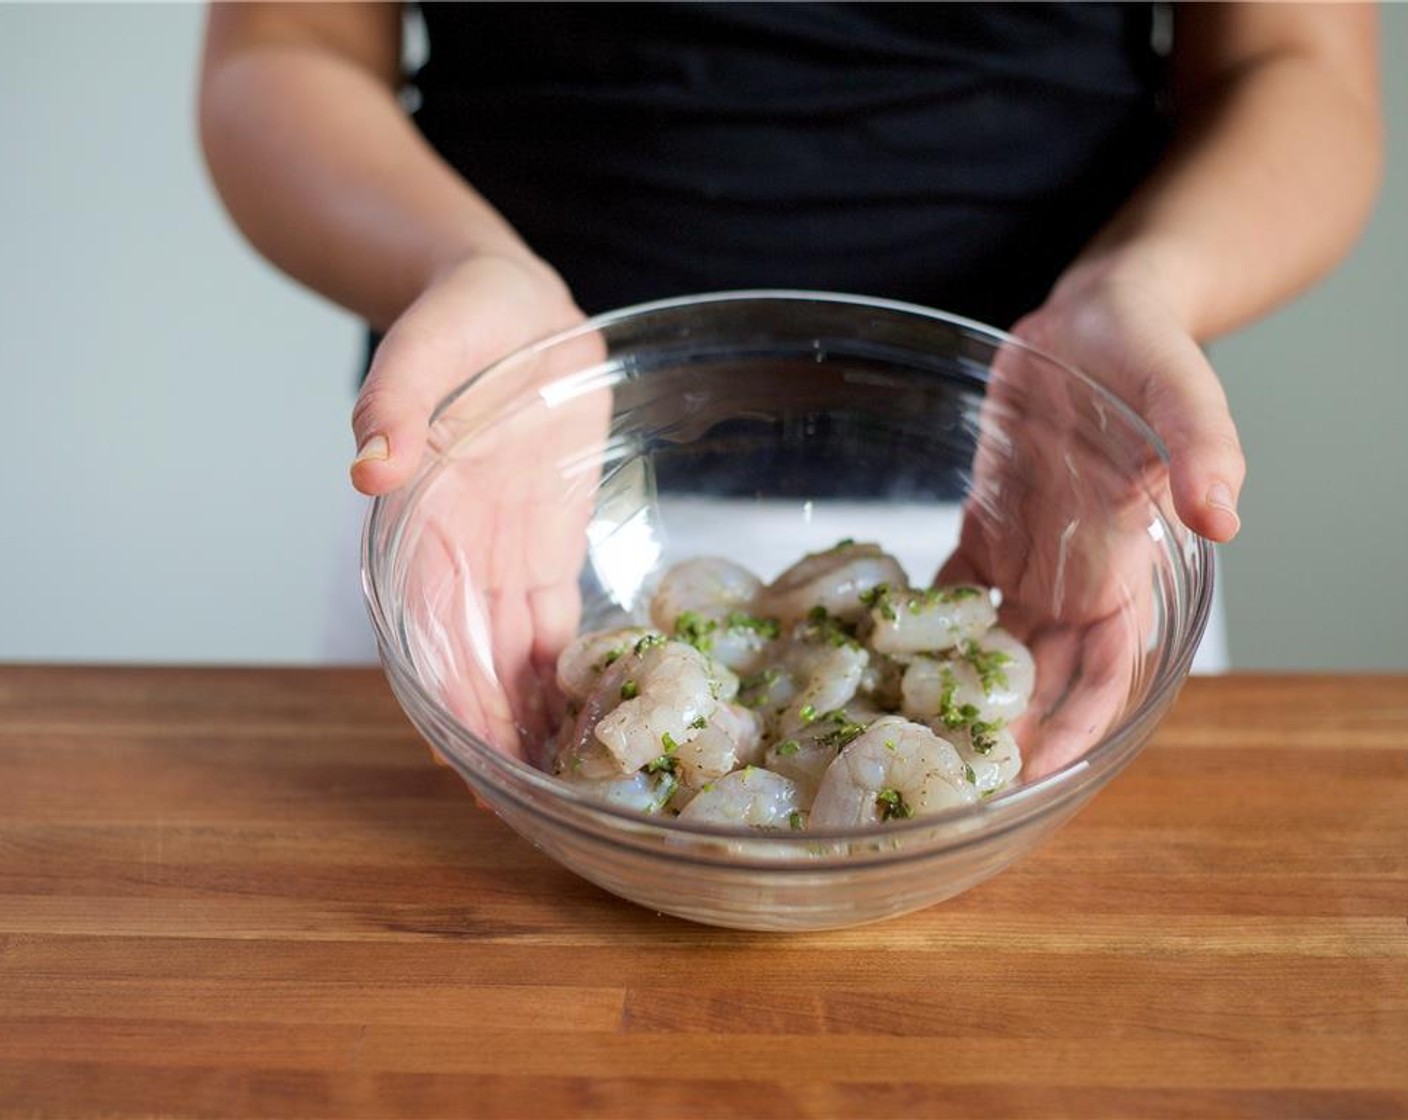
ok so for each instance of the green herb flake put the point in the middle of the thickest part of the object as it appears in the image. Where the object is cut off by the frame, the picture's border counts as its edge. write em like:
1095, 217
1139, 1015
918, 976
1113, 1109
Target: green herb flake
764, 678
892, 806
699, 724
668, 742
877, 599
844, 542
664, 764
988, 664
846, 730
968, 773
984, 735
649, 642
788, 747
767, 628
808, 713
694, 628
795, 820
953, 714
822, 626
891, 745
612, 657
629, 690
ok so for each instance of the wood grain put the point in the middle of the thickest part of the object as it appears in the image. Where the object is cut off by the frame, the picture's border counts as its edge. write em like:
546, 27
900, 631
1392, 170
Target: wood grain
250, 893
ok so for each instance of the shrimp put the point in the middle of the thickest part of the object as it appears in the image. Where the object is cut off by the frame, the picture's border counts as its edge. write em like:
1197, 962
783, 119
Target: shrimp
806, 755
709, 603
582, 663
896, 769
989, 751
989, 679
747, 798
880, 683
824, 678
834, 580
668, 699
732, 738
929, 621
596, 775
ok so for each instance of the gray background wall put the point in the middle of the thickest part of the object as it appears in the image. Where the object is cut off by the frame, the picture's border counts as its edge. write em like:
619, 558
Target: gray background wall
174, 434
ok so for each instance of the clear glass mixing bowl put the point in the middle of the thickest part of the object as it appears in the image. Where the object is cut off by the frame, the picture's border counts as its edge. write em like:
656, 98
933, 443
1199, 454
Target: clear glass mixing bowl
760, 426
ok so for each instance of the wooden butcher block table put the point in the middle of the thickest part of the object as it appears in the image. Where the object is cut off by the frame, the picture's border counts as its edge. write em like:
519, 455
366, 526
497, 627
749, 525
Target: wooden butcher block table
250, 892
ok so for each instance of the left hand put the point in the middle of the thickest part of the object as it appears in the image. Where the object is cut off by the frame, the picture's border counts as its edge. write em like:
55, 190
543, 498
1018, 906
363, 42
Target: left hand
1081, 599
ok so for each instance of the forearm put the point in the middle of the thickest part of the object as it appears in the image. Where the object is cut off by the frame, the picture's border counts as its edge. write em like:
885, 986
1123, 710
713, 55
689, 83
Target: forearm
323, 172
1272, 176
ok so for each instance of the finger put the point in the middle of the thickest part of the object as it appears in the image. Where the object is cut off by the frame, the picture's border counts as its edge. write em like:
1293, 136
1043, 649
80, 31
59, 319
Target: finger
1184, 402
409, 376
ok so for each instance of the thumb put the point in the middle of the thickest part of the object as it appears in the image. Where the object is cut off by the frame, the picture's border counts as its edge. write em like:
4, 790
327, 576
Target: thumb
409, 375
1185, 404
484, 309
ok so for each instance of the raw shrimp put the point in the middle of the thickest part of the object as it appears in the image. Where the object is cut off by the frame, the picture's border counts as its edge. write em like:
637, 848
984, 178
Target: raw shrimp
642, 791
834, 580
709, 602
933, 620
708, 585
806, 755
747, 798
580, 753
733, 737
989, 679
989, 750
824, 678
582, 663
896, 769
668, 699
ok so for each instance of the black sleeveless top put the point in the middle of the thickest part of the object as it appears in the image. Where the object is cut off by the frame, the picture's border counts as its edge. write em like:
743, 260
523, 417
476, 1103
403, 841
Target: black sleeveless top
950, 154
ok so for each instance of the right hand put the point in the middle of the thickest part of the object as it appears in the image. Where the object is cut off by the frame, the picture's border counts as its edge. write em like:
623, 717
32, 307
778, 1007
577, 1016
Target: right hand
471, 315
495, 545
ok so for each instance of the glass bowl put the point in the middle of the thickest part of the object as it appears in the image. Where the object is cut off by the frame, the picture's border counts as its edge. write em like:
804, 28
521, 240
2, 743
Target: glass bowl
760, 426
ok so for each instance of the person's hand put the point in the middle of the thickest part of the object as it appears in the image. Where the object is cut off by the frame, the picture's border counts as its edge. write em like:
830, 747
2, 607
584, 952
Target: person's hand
473, 314
494, 546
1115, 322
1061, 529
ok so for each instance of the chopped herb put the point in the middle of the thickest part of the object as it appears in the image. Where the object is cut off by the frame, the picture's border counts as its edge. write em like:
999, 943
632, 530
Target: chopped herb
699, 724
822, 626
984, 735
764, 678
877, 598
665, 764
844, 542
795, 820
788, 747
629, 690
968, 773
768, 628
694, 628
892, 806
668, 742
649, 642
846, 730
808, 713
891, 745
953, 714
612, 657
987, 663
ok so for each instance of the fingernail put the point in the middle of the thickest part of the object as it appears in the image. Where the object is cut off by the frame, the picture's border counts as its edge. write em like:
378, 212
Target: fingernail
374, 448
1220, 497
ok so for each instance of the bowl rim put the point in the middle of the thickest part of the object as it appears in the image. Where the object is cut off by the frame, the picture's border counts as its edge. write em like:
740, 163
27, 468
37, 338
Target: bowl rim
1112, 751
